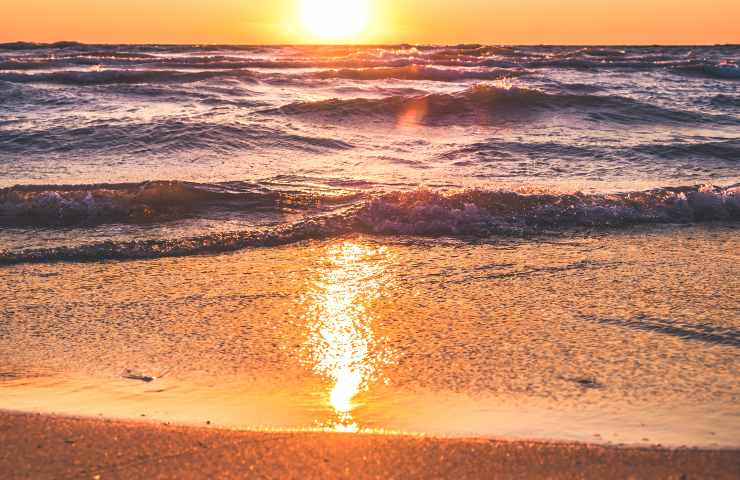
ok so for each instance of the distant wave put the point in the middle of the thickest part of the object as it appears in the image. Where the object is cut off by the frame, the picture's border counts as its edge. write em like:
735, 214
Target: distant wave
691, 61
134, 60
723, 149
590, 63
719, 71
107, 77
91, 47
418, 72
673, 152
40, 64
471, 213
39, 46
131, 60
724, 101
603, 52
235, 70
485, 103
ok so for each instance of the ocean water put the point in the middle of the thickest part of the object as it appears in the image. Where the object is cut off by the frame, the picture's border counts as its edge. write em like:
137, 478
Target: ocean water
479, 240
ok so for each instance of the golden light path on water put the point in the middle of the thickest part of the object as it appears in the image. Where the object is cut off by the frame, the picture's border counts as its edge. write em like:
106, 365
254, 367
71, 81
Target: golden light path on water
341, 346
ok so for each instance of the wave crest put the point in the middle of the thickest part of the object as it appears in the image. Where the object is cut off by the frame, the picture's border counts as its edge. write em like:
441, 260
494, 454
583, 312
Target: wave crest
481, 212
490, 104
471, 213
149, 202
418, 72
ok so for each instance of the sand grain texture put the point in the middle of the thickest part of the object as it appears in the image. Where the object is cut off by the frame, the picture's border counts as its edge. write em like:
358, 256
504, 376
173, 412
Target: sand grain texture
41, 447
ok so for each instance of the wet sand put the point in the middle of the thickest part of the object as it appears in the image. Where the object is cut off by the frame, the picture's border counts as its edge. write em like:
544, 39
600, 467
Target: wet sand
627, 338
44, 446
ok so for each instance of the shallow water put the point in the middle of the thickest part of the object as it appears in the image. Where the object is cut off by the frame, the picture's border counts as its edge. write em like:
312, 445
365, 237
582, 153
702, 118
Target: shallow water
240, 139
455, 240
624, 338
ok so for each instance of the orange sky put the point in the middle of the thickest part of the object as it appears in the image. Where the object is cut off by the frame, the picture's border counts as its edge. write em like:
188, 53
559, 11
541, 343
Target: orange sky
392, 21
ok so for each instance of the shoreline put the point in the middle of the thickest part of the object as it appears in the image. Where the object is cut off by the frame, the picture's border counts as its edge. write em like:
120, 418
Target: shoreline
50, 446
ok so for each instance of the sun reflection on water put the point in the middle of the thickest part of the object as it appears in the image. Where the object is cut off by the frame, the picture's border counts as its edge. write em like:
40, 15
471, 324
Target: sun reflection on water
341, 345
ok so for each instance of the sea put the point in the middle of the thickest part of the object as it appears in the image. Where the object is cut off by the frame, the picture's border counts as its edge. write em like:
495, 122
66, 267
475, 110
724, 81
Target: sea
456, 240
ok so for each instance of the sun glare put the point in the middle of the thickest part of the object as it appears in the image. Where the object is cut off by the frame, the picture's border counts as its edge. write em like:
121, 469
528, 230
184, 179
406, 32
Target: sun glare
335, 19
341, 345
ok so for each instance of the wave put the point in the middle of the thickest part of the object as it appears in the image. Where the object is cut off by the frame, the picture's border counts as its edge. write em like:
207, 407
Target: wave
123, 60
722, 149
235, 70
725, 101
497, 149
214, 243
480, 212
162, 138
579, 62
417, 72
699, 60
40, 64
149, 202
717, 71
91, 47
633, 64
703, 62
132, 60
602, 52
485, 103
39, 46
71, 62
500, 149
20, 96
116, 203
470, 213
107, 77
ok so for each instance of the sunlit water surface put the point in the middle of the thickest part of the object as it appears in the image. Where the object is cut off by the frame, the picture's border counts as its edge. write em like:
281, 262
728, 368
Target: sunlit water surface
624, 338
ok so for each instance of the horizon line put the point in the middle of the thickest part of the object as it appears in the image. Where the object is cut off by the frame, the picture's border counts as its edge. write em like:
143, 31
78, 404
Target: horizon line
362, 44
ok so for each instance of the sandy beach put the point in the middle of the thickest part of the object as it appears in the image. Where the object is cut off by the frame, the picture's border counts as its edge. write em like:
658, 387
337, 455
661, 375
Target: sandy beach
44, 446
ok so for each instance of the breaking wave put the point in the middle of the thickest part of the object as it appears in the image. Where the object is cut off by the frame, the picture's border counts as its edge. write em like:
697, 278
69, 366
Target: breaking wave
481, 212
80, 113
470, 213
149, 202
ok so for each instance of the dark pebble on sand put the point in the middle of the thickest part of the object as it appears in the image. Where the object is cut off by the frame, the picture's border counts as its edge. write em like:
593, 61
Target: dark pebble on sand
588, 383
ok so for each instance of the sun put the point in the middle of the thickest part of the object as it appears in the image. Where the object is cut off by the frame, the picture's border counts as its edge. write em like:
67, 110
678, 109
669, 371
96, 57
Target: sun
335, 19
